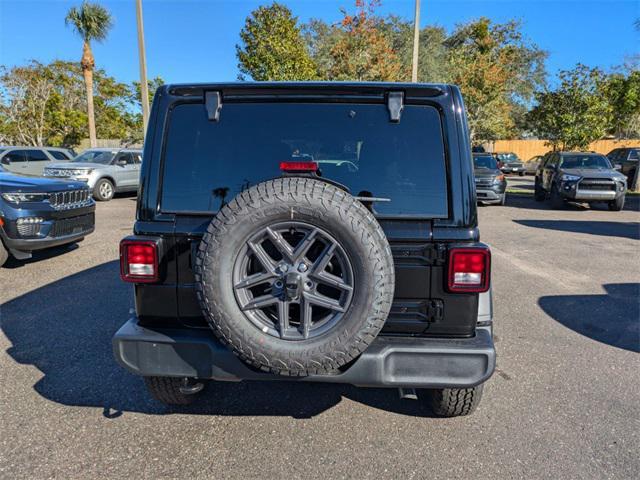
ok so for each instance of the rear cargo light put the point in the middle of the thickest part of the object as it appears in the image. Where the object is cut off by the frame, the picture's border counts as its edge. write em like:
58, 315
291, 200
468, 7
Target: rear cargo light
299, 166
139, 261
469, 269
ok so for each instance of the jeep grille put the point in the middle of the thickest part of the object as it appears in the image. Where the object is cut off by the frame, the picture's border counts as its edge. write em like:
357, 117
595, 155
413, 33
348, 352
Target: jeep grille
70, 199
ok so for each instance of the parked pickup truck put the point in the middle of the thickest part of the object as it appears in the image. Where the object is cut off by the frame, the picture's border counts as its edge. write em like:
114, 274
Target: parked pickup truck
320, 232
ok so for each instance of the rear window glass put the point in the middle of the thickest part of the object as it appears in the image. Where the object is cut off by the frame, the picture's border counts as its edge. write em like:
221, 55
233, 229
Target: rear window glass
58, 155
207, 163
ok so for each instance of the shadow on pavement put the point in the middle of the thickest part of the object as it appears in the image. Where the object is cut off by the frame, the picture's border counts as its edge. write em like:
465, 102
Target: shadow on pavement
64, 329
608, 229
39, 255
613, 318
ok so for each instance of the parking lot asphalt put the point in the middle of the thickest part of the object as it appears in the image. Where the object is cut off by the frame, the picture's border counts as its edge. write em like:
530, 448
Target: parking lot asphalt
563, 402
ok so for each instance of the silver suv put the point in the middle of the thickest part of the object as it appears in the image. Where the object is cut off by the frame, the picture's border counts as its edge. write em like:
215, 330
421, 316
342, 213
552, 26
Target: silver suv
31, 160
105, 170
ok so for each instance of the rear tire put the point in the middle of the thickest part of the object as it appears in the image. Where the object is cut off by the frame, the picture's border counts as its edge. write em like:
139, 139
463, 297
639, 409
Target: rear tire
454, 402
521, 174
617, 204
104, 190
4, 254
557, 202
167, 390
538, 194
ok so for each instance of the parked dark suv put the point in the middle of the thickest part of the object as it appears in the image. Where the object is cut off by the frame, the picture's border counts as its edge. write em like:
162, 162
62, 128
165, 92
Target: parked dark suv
581, 177
321, 232
36, 213
491, 185
626, 160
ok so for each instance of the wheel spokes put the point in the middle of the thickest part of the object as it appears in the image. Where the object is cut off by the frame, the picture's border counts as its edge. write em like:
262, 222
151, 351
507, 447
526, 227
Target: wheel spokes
315, 269
332, 281
263, 257
280, 243
305, 317
283, 317
255, 279
324, 258
323, 301
303, 247
260, 302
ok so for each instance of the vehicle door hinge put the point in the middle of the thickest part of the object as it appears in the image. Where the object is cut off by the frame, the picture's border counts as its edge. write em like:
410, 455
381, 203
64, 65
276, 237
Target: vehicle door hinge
213, 104
395, 104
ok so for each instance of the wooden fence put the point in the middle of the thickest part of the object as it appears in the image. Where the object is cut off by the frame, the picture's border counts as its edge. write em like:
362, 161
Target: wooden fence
525, 149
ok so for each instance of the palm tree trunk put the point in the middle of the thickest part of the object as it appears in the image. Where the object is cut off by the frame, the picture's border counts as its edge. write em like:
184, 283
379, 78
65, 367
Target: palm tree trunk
88, 62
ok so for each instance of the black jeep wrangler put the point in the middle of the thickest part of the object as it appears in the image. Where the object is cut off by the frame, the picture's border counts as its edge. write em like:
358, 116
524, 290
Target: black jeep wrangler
321, 232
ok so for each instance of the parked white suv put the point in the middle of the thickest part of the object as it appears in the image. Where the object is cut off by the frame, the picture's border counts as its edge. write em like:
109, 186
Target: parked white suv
30, 160
105, 170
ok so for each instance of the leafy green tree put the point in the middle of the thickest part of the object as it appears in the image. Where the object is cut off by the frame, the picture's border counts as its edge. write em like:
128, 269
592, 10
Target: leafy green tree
272, 47
152, 85
26, 92
575, 113
362, 51
623, 93
46, 105
497, 70
432, 52
92, 22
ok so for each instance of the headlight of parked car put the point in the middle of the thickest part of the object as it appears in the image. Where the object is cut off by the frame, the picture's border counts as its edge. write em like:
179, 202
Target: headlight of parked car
570, 178
25, 197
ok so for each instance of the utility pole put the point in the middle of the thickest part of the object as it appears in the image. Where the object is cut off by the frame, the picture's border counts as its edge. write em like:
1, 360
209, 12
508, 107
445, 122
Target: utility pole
416, 43
144, 89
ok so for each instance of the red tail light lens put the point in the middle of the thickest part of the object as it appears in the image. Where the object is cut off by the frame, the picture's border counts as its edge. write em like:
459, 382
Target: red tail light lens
299, 166
469, 269
139, 261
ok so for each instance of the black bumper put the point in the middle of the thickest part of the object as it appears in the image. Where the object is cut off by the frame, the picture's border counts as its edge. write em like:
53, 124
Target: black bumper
388, 362
58, 228
33, 244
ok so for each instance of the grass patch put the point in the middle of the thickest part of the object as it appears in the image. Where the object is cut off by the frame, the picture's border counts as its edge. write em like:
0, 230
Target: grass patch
519, 191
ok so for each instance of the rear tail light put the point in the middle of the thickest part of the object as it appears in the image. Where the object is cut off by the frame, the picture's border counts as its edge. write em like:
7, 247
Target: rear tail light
469, 269
139, 261
299, 166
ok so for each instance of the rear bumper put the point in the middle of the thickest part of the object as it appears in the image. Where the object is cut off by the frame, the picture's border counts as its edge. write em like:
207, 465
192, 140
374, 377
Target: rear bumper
388, 362
506, 169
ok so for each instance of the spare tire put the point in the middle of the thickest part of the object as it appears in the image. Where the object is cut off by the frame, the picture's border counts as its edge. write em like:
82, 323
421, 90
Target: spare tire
295, 276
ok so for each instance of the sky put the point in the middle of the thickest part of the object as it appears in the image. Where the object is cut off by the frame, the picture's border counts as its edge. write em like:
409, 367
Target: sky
194, 40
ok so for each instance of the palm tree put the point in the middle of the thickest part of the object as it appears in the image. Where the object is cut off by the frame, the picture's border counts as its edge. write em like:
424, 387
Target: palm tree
92, 22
